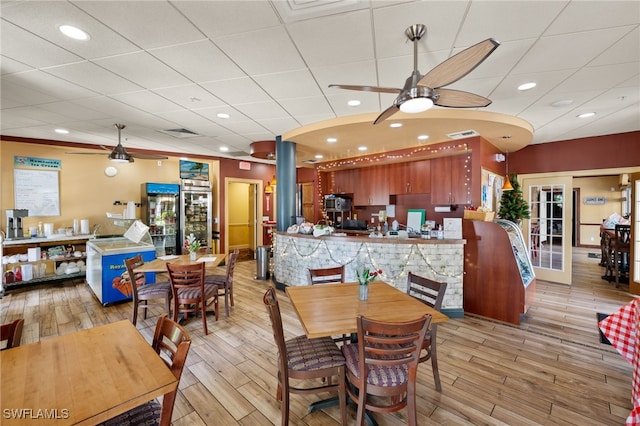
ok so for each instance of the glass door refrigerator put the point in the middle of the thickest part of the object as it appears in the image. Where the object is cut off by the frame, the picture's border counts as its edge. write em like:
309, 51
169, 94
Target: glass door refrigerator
161, 213
196, 204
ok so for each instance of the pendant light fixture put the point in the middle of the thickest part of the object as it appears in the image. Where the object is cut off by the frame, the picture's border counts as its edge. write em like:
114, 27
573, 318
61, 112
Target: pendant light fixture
507, 182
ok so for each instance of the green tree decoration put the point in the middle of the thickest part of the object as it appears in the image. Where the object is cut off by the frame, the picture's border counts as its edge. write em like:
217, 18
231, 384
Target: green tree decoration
513, 207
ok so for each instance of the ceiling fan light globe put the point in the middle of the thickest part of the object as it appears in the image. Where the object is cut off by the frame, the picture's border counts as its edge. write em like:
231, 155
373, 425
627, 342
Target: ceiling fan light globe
416, 105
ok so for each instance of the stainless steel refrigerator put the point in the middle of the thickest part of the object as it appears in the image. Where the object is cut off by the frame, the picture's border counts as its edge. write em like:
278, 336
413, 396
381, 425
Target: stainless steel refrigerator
161, 213
196, 210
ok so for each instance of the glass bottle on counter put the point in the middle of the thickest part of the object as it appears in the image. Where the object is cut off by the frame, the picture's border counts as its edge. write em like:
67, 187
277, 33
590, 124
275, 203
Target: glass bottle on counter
425, 231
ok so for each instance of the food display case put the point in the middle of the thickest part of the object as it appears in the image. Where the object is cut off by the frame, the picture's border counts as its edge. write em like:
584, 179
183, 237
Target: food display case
161, 212
105, 257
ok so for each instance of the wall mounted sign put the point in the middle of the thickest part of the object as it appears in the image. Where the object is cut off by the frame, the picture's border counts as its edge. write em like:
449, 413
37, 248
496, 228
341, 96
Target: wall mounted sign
193, 170
37, 191
592, 201
40, 163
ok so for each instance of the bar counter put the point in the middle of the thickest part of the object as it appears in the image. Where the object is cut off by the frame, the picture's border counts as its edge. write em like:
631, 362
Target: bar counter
439, 260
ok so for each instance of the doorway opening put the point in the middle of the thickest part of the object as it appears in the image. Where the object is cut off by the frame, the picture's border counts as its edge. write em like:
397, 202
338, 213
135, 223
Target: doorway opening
242, 207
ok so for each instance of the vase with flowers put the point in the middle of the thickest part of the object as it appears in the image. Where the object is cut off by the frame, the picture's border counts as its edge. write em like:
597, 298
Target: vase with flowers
365, 275
192, 245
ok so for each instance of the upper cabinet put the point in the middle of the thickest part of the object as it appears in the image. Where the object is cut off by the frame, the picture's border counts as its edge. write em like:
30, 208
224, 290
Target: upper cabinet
449, 180
372, 186
410, 178
344, 181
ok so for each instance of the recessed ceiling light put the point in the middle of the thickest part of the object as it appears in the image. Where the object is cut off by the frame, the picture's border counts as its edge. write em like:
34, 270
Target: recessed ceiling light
423, 137
394, 125
62, 131
332, 140
527, 86
319, 156
362, 148
73, 32
353, 102
223, 115
562, 103
224, 148
587, 115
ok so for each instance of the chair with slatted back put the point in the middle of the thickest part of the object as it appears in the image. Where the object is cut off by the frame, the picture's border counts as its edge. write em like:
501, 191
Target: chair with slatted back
301, 358
621, 250
430, 293
171, 341
326, 275
383, 365
189, 292
11, 333
143, 293
225, 282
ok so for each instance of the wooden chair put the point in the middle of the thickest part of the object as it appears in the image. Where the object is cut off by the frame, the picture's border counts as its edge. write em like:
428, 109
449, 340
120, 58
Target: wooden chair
142, 292
326, 275
621, 251
384, 364
300, 358
225, 282
11, 333
189, 292
171, 341
430, 293
329, 276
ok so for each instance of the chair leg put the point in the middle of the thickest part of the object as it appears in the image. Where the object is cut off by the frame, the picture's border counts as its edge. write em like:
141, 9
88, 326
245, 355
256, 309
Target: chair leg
134, 315
362, 400
226, 302
411, 402
231, 295
434, 363
146, 308
167, 305
285, 405
342, 394
204, 316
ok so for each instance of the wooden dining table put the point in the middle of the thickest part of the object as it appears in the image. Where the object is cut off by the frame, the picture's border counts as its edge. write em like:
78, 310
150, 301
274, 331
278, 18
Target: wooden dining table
81, 378
332, 309
211, 261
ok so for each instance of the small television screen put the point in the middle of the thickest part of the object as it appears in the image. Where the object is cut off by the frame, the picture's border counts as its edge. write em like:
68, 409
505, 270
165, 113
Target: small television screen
194, 170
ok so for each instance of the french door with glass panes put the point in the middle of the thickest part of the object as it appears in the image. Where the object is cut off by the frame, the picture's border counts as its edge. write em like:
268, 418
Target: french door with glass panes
549, 228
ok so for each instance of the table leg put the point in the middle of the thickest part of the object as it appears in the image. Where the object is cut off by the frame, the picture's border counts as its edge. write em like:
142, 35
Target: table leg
332, 402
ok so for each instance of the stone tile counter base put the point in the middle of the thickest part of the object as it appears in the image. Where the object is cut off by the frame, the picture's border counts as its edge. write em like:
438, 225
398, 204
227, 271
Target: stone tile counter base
439, 260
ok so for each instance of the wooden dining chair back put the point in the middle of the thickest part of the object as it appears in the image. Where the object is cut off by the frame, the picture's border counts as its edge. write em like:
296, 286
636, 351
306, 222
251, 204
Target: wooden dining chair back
225, 282
301, 358
189, 292
621, 250
326, 275
431, 293
171, 341
145, 295
11, 333
384, 364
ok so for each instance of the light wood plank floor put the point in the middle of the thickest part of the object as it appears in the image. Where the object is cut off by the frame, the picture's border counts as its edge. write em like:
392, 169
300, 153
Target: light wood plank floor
549, 370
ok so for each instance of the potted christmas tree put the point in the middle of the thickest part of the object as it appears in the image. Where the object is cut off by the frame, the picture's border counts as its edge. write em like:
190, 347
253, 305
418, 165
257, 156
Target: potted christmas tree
513, 207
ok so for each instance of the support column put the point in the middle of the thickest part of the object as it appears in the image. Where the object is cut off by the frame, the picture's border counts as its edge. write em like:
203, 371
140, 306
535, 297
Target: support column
286, 186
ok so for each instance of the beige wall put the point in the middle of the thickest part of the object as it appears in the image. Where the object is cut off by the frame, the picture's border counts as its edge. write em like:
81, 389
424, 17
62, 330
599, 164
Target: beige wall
85, 191
238, 220
591, 216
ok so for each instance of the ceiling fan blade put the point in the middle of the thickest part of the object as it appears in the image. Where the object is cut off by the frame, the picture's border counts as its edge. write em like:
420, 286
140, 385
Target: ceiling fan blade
459, 65
387, 113
147, 156
367, 88
459, 99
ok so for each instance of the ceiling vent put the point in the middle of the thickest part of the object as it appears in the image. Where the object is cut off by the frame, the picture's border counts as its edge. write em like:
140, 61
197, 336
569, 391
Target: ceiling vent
180, 133
310, 161
463, 134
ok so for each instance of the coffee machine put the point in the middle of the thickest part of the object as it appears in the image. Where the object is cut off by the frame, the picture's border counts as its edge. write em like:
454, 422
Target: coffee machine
14, 223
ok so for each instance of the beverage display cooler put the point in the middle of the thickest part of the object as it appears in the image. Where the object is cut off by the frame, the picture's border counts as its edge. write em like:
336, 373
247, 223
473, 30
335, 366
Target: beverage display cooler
161, 213
196, 210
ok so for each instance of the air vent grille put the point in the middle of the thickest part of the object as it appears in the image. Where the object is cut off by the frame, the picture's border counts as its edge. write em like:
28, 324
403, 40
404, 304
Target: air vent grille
180, 133
463, 134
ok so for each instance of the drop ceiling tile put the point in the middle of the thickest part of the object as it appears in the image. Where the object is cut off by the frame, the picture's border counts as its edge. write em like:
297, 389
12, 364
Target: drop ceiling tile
48, 84
145, 26
147, 101
358, 73
199, 61
190, 96
18, 95
9, 66
262, 110
316, 105
143, 69
93, 77
278, 126
19, 117
289, 84
237, 91
262, 52
73, 111
589, 15
625, 50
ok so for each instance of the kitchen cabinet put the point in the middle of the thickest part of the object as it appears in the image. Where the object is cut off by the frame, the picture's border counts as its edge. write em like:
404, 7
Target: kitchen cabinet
449, 183
344, 181
372, 186
413, 177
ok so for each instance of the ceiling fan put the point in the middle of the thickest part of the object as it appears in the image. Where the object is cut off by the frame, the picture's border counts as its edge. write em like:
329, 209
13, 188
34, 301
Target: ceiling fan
119, 154
421, 92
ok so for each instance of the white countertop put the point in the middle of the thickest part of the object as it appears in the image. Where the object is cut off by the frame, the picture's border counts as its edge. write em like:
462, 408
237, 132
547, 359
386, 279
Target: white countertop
53, 238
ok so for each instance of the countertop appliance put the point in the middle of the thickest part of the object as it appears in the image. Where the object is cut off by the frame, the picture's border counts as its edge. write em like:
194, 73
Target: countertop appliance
337, 204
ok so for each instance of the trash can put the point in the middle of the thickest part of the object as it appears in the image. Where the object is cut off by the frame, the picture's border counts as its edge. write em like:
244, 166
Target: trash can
262, 263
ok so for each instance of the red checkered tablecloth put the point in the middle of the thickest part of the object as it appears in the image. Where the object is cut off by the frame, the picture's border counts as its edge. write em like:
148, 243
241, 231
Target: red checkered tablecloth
622, 328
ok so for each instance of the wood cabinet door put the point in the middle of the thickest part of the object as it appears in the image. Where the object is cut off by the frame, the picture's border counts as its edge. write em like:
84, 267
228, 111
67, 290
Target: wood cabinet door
399, 180
449, 180
344, 182
419, 176
371, 186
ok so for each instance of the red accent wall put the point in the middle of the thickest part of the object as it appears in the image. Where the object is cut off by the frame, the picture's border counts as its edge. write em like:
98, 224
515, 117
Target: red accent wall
599, 152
